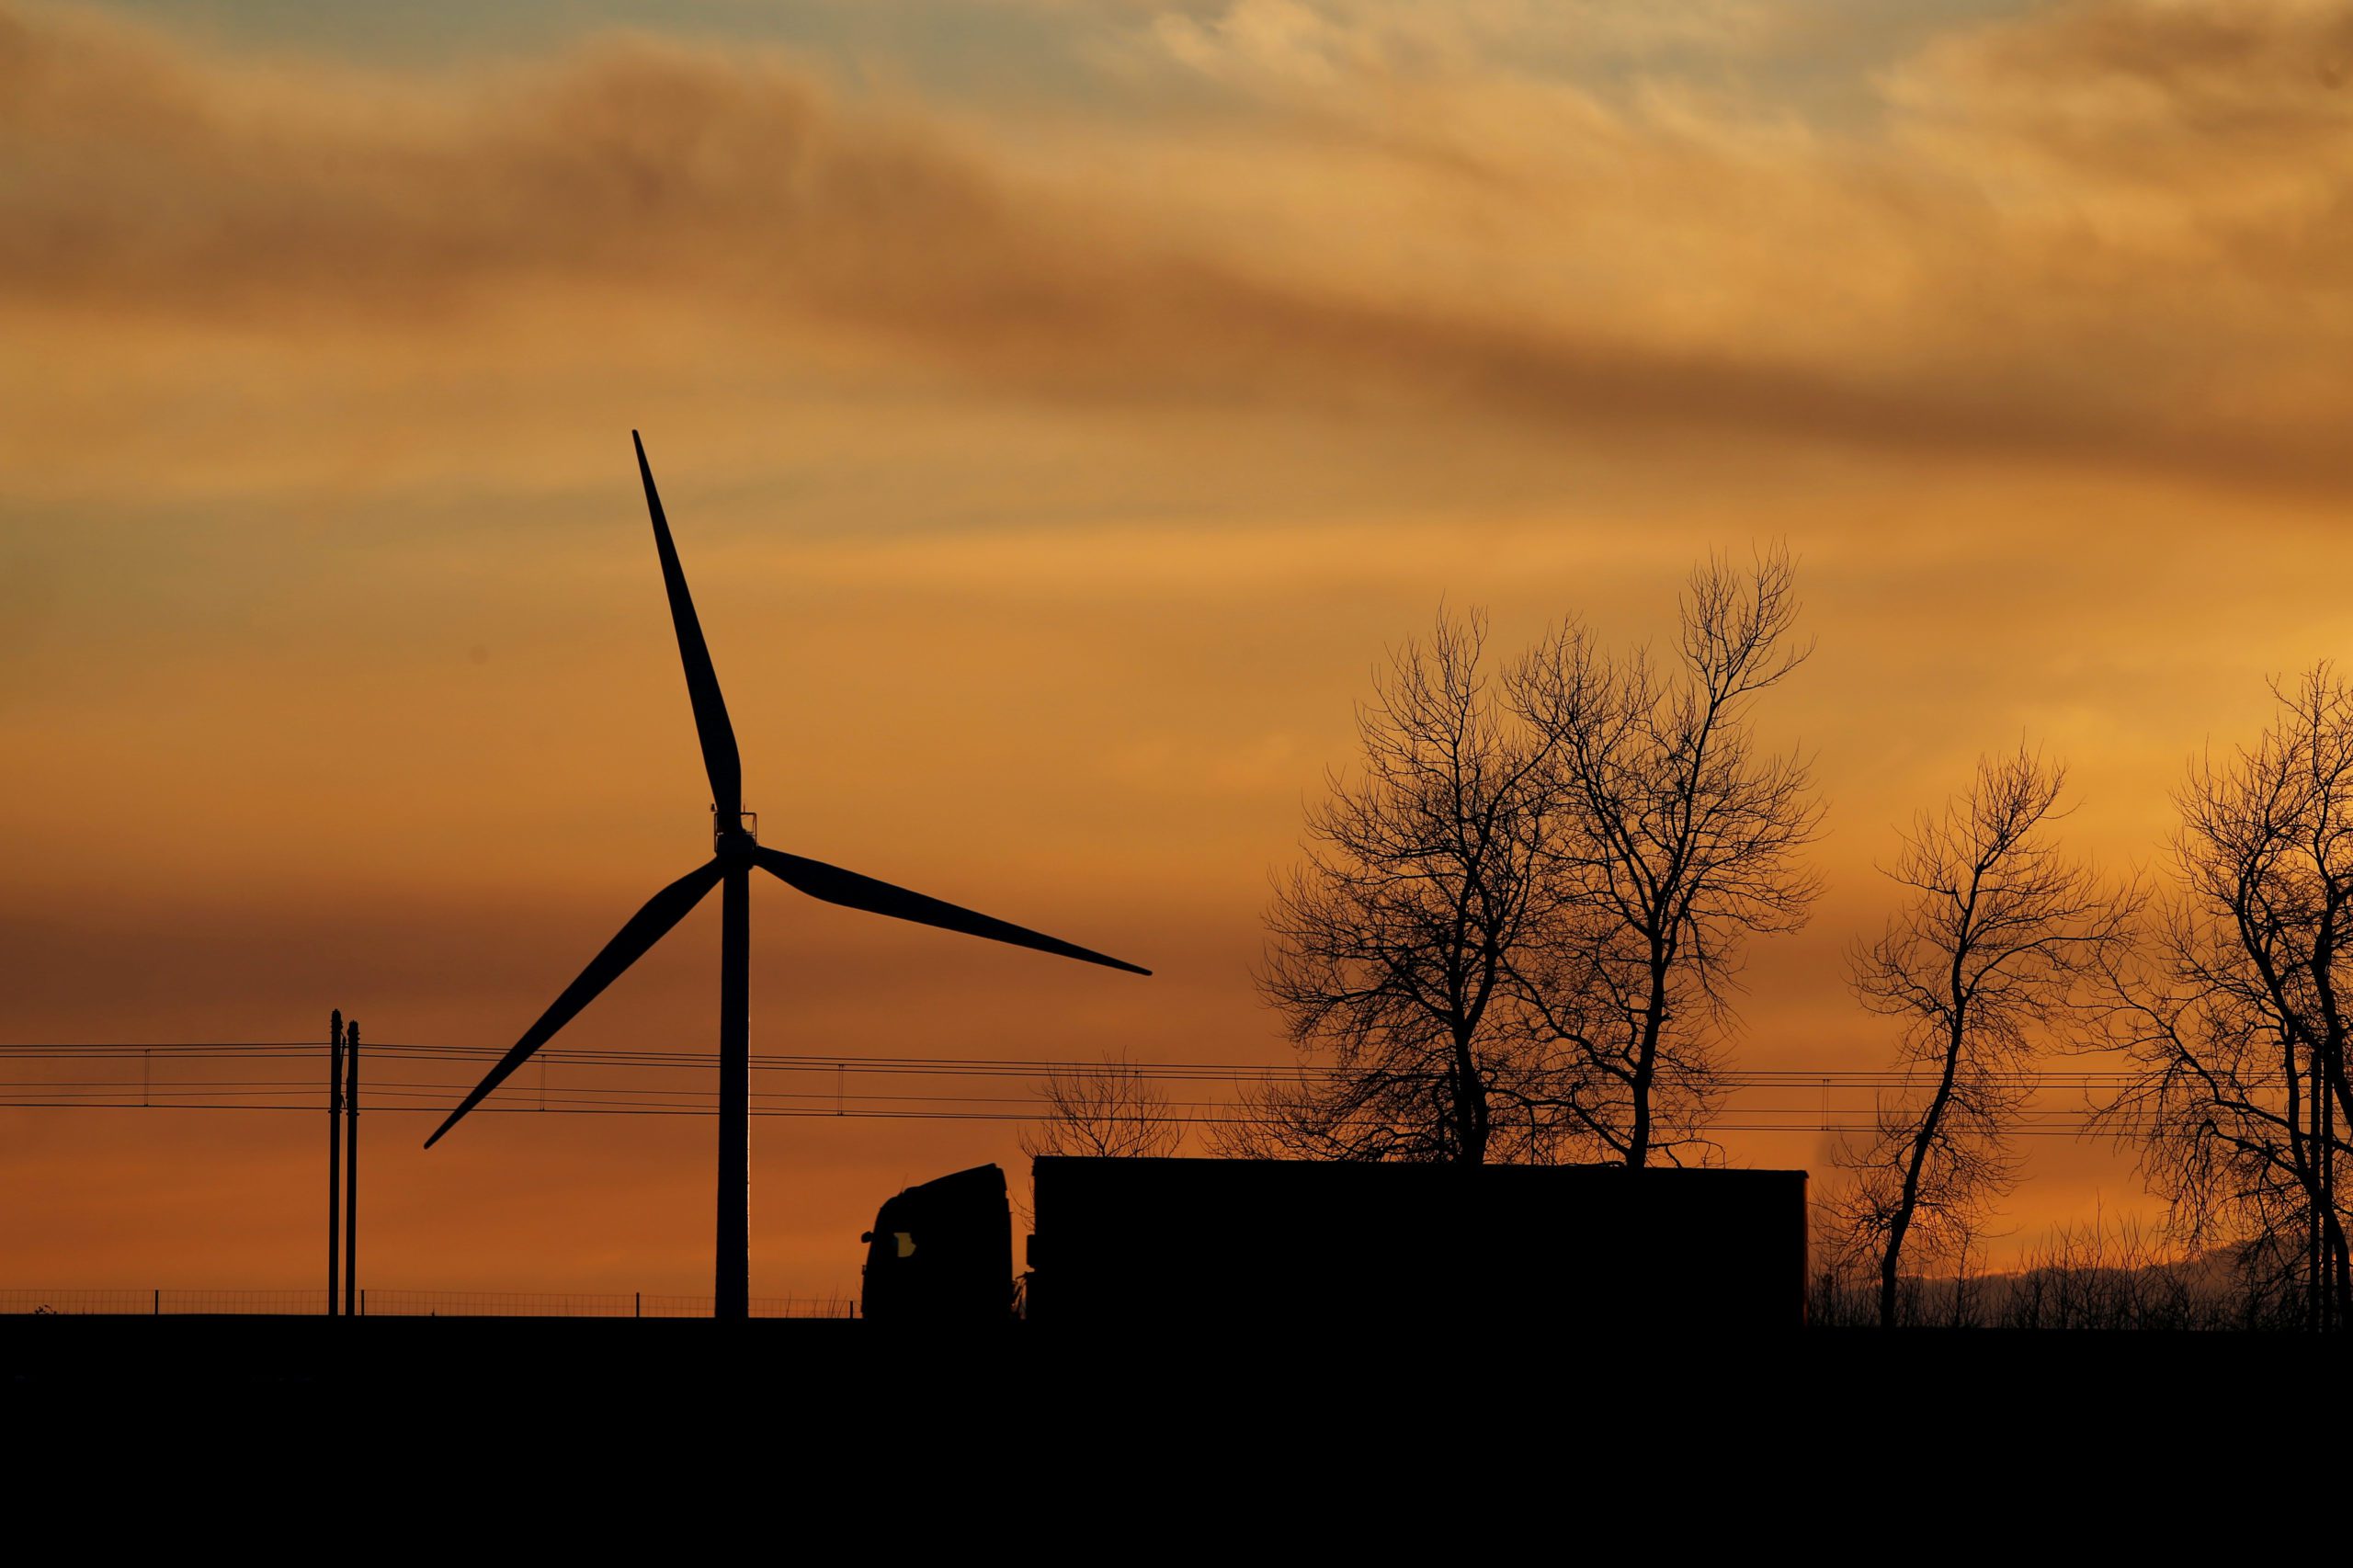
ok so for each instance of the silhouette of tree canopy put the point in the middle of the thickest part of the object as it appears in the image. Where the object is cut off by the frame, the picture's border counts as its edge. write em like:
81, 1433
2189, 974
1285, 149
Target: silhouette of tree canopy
1516, 928
1388, 945
1672, 838
1992, 947
1111, 1109
2235, 1018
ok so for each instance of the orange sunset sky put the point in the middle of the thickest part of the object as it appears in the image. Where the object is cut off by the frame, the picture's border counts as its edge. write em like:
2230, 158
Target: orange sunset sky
1060, 404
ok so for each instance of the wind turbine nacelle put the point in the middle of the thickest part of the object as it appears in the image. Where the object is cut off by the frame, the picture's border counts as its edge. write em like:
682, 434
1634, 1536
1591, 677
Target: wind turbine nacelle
745, 829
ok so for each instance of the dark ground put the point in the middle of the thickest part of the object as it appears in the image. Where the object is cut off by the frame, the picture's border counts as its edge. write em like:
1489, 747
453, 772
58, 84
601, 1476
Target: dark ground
835, 1358
1019, 1440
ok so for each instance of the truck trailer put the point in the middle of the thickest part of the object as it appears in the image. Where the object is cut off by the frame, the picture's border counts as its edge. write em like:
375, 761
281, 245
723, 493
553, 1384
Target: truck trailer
1125, 1243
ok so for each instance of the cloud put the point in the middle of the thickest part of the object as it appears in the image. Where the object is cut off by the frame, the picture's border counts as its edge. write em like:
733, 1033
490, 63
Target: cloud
164, 178
1263, 42
1253, 38
2218, 114
1662, 262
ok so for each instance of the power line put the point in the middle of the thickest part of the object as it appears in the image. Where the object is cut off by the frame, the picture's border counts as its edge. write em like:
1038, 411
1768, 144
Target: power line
1807, 1124
178, 1090
1842, 1077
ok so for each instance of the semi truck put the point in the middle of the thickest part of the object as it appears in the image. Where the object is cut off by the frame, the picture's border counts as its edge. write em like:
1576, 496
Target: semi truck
1121, 1243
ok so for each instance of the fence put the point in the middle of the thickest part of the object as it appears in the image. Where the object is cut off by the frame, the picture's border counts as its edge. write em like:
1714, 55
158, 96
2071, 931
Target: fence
405, 1303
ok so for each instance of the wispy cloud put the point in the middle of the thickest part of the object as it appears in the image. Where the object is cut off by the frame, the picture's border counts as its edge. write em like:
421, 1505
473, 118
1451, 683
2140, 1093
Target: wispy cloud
2105, 234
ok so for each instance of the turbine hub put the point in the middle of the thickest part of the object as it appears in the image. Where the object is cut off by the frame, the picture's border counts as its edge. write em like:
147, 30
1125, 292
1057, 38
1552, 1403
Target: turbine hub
734, 838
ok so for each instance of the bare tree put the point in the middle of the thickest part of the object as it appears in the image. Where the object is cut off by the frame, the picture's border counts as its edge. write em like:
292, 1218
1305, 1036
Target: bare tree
1674, 837
2095, 1274
2235, 1022
1992, 950
1388, 946
1114, 1110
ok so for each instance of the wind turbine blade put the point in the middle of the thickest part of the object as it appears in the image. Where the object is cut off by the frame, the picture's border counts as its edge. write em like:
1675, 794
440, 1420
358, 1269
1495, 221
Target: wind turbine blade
837, 886
647, 926
720, 759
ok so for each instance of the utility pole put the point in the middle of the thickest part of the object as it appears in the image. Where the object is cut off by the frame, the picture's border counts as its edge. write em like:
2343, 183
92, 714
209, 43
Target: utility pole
335, 1151
351, 1173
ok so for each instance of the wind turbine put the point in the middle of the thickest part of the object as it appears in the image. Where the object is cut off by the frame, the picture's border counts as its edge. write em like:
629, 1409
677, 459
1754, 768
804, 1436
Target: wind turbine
736, 851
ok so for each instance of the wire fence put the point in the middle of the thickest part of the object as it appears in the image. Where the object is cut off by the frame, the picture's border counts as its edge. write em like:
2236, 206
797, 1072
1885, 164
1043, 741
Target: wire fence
158, 1302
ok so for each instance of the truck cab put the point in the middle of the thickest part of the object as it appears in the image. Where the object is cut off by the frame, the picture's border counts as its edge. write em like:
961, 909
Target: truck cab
942, 1252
